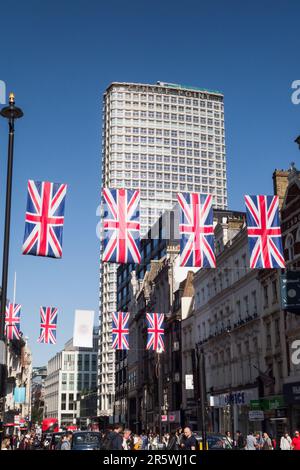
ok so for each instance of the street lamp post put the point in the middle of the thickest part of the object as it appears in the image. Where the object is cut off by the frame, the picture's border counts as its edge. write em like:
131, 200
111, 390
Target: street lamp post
159, 351
230, 401
10, 112
201, 392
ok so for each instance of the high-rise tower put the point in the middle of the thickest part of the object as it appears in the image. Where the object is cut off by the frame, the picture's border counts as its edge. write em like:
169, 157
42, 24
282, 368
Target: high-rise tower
162, 139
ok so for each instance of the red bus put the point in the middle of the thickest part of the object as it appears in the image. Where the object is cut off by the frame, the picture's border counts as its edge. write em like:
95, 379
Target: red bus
50, 425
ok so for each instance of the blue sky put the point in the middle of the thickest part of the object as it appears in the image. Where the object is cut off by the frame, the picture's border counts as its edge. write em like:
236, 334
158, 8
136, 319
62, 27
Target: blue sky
58, 57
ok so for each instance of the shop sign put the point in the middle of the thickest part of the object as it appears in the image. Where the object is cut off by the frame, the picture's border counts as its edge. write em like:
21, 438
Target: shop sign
240, 397
189, 382
174, 417
267, 403
256, 415
255, 405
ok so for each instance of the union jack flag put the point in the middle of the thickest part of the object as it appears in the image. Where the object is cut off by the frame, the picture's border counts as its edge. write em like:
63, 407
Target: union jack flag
48, 325
155, 331
44, 219
120, 331
264, 233
196, 230
121, 226
12, 321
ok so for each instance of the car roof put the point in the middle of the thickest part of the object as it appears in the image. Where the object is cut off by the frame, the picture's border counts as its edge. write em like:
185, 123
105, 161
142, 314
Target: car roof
86, 432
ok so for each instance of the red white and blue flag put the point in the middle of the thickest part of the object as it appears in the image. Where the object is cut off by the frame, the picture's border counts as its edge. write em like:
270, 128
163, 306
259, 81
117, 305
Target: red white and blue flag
44, 219
48, 325
121, 226
196, 230
264, 232
12, 321
156, 331
120, 331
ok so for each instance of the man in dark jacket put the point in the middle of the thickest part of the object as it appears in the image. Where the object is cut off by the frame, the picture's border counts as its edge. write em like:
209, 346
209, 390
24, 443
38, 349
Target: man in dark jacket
117, 438
240, 442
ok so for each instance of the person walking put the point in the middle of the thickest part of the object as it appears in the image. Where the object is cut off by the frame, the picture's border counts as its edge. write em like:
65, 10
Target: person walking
240, 442
117, 438
106, 439
180, 437
127, 440
259, 441
251, 442
267, 442
166, 439
6, 444
228, 441
286, 442
66, 444
296, 441
190, 442
145, 440
137, 442
154, 441
173, 441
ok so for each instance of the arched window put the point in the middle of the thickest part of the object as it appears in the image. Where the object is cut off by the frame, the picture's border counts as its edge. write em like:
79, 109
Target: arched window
289, 245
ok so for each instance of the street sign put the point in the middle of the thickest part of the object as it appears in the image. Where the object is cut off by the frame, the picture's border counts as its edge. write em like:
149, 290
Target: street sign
256, 415
164, 418
189, 382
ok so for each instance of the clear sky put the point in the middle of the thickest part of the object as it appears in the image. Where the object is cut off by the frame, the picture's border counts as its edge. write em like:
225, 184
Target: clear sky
58, 57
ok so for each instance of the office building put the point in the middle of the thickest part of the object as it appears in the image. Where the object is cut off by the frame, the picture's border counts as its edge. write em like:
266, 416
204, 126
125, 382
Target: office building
70, 373
161, 139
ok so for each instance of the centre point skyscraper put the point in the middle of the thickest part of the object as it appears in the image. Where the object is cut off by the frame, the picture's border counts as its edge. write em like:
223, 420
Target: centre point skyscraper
161, 139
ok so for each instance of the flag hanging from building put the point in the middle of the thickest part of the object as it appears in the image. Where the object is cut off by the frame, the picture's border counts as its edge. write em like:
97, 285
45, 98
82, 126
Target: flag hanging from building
48, 325
83, 328
155, 330
264, 232
44, 219
120, 331
196, 230
121, 226
19, 395
12, 321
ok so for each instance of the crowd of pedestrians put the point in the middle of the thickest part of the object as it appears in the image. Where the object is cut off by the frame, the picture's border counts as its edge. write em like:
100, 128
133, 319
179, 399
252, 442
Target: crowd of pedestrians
185, 439
118, 438
34, 440
263, 441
